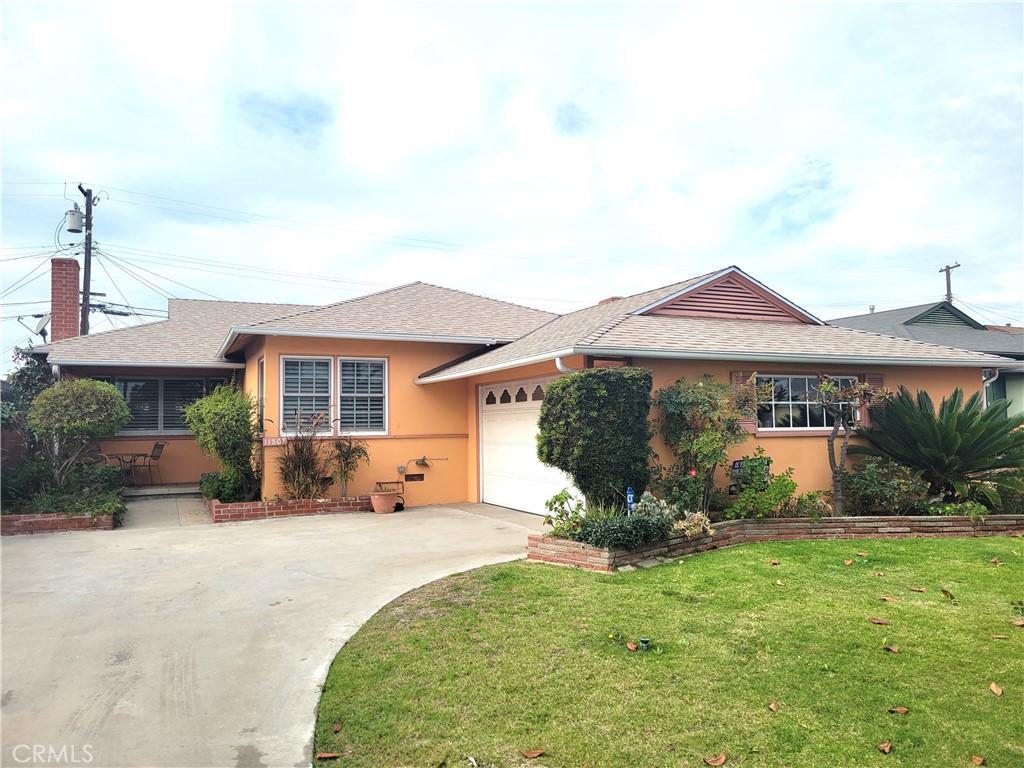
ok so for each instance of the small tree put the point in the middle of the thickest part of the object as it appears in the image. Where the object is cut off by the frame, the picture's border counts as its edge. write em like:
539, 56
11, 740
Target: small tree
305, 462
32, 376
700, 421
349, 453
594, 427
844, 404
225, 426
71, 415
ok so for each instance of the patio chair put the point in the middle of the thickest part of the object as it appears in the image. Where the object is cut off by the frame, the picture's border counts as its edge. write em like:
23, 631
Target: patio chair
95, 458
151, 462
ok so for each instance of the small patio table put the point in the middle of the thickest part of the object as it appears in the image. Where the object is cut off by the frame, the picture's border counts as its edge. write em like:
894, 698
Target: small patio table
129, 462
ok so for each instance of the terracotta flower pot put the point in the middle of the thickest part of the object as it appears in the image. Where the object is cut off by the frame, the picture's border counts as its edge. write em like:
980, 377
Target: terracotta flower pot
384, 502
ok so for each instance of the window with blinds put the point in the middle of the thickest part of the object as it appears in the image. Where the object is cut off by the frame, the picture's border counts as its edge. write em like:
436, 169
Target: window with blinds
158, 405
305, 392
362, 396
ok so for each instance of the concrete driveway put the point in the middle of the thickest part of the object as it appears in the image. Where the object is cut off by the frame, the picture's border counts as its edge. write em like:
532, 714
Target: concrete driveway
205, 645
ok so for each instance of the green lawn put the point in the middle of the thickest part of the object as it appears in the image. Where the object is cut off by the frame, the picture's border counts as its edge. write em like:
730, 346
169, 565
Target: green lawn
518, 657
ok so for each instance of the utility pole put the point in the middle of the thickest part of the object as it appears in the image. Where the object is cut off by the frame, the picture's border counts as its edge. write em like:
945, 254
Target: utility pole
949, 287
87, 263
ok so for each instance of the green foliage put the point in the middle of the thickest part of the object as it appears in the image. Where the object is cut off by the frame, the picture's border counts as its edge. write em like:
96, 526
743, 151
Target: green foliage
225, 426
565, 514
810, 504
974, 510
72, 414
90, 477
594, 427
963, 451
32, 376
23, 482
349, 453
305, 462
700, 422
224, 487
761, 493
881, 485
630, 531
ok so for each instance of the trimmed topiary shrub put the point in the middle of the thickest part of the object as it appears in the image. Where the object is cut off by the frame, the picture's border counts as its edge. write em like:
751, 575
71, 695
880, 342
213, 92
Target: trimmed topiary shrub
594, 427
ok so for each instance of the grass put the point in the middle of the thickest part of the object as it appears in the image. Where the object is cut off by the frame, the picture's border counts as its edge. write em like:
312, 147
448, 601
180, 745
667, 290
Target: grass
518, 656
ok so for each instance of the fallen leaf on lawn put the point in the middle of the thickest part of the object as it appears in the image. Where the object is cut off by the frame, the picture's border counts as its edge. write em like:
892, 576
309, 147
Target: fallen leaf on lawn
947, 593
977, 760
775, 706
885, 746
336, 727
996, 560
472, 761
532, 753
779, 582
918, 589
898, 710
720, 760
875, 620
996, 689
847, 562
1019, 623
889, 598
328, 755
631, 646
891, 648
1000, 637
879, 573
775, 562
862, 554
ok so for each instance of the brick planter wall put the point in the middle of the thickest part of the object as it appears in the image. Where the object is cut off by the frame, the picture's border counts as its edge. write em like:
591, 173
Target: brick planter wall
53, 522
731, 532
261, 510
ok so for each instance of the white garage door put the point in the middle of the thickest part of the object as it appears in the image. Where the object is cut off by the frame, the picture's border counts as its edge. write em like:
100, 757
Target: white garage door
511, 474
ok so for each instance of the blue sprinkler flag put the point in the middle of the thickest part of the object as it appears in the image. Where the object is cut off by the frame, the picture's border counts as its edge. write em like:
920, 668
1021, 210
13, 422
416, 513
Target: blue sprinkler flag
629, 499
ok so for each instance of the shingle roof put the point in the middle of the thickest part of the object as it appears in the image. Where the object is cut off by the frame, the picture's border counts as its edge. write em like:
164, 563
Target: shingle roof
191, 335
418, 310
893, 322
615, 329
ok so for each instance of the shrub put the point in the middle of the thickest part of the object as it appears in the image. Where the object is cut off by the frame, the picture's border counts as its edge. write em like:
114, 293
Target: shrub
565, 514
224, 487
87, 478
974, 510
225, 426
700, 421
305, 462
594, 427
882, 485
962, 451
71, 415
20, 483
630, 531
761, 493
808, 504
349, 453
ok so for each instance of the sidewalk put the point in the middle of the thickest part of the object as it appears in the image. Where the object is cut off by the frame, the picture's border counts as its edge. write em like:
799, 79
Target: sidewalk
165, 512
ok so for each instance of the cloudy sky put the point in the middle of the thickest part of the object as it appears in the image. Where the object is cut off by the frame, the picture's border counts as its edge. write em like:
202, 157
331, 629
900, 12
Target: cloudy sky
547, 154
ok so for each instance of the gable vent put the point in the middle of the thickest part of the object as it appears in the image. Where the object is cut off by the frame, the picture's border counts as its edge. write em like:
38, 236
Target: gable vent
941, 316
728, 298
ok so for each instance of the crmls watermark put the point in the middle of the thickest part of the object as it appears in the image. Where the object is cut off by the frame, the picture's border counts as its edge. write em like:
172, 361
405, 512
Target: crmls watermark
51, 754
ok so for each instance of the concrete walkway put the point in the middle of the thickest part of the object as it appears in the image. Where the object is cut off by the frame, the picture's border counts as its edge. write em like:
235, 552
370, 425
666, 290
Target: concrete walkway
165, 512
205, 645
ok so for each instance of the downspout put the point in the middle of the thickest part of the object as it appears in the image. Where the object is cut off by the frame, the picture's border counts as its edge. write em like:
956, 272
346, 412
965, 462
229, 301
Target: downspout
560, 365
55, 370
985, 383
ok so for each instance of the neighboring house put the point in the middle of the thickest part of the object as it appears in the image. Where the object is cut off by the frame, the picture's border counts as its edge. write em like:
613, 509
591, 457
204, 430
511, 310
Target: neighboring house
455, 381
942, 323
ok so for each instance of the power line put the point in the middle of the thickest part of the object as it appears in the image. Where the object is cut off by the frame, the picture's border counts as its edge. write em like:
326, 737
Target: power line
170, 280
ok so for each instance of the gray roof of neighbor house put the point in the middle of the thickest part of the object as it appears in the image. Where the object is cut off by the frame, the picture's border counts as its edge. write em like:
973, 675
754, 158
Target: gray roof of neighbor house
621, 329
937, 323
414, 312
189, 337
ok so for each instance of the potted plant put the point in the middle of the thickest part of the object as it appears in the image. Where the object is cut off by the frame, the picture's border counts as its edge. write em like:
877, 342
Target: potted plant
349, 453
384, 501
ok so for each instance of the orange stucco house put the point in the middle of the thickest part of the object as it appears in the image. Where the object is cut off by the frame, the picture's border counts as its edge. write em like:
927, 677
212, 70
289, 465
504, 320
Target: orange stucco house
455, 381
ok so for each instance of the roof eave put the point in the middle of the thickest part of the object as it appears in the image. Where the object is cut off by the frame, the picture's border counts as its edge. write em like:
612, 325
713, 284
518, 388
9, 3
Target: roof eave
149, 364
642, 352
234, 333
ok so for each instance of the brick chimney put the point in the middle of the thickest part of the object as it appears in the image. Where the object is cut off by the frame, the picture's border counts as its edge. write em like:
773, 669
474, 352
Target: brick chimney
65, 312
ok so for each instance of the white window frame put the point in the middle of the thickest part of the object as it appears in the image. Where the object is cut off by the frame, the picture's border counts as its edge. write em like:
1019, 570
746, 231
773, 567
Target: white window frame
330, 394
385, 395
843, 378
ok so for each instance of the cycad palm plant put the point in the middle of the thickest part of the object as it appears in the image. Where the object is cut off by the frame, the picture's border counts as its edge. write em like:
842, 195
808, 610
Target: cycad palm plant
962, 452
